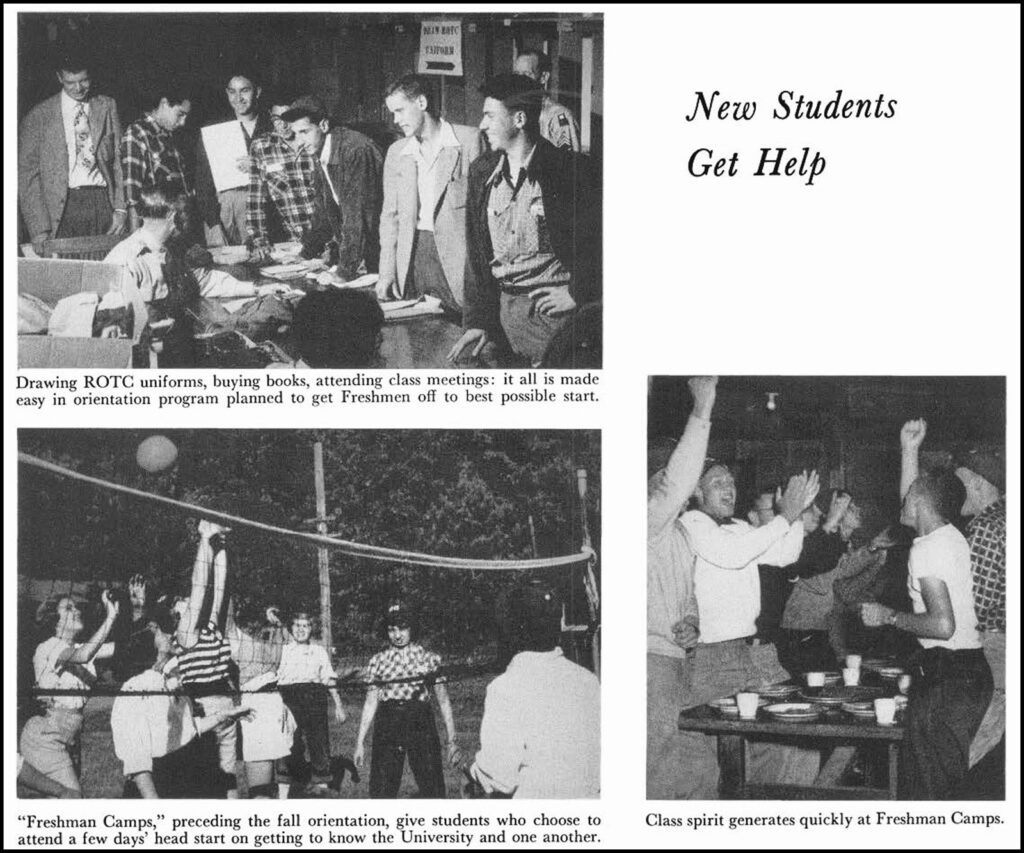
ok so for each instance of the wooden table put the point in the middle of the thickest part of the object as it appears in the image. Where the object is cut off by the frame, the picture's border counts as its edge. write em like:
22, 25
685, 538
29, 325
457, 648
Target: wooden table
834, 728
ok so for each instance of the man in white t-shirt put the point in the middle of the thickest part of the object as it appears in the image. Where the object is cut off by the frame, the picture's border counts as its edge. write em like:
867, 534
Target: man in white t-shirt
728, 591
952, 682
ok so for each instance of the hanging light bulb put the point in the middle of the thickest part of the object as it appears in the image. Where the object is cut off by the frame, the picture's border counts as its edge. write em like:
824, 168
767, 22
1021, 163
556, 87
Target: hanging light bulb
771, 405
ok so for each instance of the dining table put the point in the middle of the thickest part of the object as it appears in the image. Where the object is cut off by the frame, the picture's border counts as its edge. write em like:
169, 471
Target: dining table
839, 735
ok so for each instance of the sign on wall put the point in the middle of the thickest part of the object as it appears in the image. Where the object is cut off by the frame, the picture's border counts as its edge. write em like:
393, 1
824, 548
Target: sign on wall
441, 48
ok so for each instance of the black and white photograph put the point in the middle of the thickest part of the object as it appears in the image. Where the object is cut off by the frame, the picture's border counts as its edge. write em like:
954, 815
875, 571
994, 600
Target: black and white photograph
273, 614
325, 190
826, 587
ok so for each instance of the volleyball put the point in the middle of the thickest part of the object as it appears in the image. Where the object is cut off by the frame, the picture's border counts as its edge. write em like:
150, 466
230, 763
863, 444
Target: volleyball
157, 453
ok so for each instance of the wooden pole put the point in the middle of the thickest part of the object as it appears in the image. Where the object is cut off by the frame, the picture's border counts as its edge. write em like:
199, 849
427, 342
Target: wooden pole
322, 555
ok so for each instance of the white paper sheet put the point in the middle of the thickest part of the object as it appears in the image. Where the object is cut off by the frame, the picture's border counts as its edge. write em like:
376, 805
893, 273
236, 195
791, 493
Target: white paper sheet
225, 144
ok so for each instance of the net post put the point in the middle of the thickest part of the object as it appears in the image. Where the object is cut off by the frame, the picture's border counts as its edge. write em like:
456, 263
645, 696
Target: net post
322, 555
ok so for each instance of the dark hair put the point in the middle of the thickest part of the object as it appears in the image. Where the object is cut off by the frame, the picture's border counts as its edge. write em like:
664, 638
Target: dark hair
296, 113
944, 493
414, 85
175, 93
73, 60
47, 614
157, 202
530, 616
518, 93
338, 328
543, 60
247, 73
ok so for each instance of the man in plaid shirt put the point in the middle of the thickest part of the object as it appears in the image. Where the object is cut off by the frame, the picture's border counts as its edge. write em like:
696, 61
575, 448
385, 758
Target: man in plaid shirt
149, 154
983, 474
400, 678
280, 187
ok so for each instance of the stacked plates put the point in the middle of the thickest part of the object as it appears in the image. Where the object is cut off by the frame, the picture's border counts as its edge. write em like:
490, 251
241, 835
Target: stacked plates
727, 706
837, 694
833, 678
862, 710
794, 712
778, 691
892, 672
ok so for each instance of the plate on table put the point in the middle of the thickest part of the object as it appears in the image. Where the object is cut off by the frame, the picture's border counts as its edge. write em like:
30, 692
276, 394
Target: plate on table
837, 694
794, 712
862, 710
778, 691
727, 706
833, 678
892, 672
876, 663
229, 254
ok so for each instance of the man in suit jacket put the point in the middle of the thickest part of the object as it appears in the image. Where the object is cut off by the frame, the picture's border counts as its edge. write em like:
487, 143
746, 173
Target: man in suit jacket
533, 225
423, 222
347, 190
70, 182
224, 212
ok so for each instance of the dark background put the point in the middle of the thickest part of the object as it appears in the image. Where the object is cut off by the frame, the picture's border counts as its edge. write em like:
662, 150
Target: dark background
847, 427
347, 59
457, 493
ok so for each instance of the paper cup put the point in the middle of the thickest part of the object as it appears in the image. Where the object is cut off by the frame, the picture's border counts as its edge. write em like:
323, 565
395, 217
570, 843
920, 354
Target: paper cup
815, 679
853, 662
885, 711
851, 676
747, 703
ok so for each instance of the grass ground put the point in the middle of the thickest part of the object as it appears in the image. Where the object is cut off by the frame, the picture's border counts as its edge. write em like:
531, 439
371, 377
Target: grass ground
101, 770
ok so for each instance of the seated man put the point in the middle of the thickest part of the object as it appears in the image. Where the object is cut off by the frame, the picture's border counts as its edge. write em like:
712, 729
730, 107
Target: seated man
346, 181
338, 329
533, 224
727, 587
540, 737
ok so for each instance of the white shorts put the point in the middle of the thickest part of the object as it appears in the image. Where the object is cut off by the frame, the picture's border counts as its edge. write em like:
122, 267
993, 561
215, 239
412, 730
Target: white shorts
268, 735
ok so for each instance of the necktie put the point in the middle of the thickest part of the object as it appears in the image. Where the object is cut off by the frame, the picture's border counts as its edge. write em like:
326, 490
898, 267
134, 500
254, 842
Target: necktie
84, 154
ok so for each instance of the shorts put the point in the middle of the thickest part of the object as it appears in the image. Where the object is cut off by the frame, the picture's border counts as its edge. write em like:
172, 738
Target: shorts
268, 735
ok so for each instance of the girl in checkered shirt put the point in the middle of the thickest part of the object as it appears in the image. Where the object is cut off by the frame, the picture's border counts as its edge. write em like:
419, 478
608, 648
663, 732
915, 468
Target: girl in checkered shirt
398, 698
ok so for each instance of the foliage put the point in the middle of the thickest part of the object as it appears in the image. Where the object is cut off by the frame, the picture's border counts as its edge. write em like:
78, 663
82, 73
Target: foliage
457, 493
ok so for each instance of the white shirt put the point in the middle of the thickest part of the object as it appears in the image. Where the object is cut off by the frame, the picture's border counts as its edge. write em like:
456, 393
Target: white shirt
144, 260
726, 581
945, 555
148, 727
305, 663
52, 675
426, 172
325, 158
78, 175
540, 737
669, 558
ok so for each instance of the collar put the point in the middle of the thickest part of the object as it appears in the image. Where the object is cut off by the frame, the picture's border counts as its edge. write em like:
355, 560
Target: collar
70, 104
148, 242
325, 153
446, 137
936, 533
503, 167
533, 658
153, 127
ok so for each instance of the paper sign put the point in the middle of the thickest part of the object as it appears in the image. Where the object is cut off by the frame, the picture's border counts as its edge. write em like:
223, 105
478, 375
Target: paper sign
225, 144
441, 48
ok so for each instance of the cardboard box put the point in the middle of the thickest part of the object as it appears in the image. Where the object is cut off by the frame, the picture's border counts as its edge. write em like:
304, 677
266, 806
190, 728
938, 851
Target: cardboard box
51, 280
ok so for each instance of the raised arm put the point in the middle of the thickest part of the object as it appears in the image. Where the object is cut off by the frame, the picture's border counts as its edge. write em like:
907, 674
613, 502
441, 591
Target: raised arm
369, 712
667, 496
91, 648
189, 626
911, 437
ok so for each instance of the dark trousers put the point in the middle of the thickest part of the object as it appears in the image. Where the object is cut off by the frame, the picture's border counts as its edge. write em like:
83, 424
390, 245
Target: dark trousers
308, 704
402, 728
950, 691
806, 651
426, 275
87, 212
188, 773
